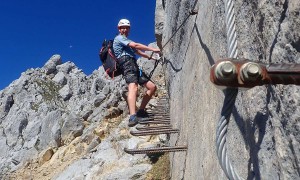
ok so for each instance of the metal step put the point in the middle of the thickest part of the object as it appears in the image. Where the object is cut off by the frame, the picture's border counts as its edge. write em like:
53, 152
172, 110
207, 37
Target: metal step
154, 132
158, 114
160, 118
155, 119
145, 128
165, 110
155, 122
156, 150
162, 105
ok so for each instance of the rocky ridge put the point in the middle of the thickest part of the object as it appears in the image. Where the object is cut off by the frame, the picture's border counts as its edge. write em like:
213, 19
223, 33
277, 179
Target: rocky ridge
58, 123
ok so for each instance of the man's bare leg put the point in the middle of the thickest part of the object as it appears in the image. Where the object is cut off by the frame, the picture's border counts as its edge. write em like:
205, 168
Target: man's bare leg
131, 98
151, 88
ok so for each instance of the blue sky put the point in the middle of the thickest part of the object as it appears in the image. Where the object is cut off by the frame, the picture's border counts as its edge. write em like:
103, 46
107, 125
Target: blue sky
32, 31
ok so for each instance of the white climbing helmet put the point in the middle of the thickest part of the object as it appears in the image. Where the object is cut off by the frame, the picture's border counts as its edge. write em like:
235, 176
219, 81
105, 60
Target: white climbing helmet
124, 22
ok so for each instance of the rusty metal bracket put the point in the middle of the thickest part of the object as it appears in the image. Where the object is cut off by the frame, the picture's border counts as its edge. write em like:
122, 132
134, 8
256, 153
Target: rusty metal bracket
246, 73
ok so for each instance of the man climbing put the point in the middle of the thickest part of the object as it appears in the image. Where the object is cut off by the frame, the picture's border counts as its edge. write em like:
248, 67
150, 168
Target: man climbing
125, 51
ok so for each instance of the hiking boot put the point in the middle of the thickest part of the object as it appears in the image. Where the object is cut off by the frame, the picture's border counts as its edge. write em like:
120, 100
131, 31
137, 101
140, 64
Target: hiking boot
133, 120
142, 113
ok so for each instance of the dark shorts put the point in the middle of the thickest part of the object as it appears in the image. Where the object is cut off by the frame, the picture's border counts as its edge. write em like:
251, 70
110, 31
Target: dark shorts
131, 71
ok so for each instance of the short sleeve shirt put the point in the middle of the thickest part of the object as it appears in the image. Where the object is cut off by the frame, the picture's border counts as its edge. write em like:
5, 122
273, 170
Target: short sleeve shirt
121, 47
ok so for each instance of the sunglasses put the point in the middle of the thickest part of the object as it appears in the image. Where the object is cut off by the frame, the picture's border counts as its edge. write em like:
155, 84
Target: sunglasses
124, 27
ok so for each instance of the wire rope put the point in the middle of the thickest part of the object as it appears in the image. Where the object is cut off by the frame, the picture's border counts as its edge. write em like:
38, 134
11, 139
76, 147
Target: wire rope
230, 96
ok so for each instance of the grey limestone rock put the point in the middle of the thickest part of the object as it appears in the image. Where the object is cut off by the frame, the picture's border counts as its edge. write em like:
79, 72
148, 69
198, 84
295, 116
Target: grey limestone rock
50, 66
159, 21
99, 99
60, 78
66, 67
8, 103
48, 134
65, 93
72, 127
261, 134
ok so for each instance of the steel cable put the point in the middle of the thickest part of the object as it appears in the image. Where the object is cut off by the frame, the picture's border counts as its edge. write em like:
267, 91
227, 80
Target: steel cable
230, 97
192, 11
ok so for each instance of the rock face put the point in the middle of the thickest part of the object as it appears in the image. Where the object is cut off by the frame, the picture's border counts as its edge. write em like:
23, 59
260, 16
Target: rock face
263, 135
58, 123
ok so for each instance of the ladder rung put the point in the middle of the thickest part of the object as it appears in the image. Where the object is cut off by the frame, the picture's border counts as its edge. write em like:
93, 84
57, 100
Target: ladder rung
154, 132
143, 128
156, 150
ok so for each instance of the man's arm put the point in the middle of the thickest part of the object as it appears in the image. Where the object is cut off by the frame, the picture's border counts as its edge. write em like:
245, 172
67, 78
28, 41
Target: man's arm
139, 46
141, 53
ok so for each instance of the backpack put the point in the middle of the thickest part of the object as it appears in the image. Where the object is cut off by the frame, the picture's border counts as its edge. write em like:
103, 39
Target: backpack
109, 60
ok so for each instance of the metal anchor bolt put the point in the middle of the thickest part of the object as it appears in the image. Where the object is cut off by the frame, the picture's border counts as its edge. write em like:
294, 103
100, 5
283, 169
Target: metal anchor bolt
225, 71
251, 72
